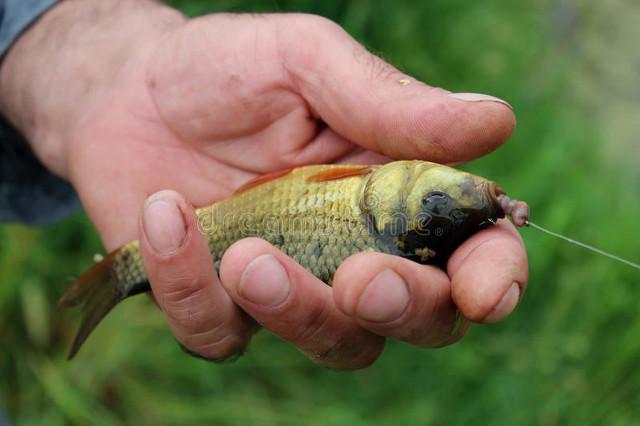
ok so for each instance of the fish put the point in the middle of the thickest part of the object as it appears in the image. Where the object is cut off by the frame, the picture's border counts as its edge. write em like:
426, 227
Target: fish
320, 215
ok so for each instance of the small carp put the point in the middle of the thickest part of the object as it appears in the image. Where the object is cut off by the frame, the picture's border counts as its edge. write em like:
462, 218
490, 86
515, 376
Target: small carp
320, 215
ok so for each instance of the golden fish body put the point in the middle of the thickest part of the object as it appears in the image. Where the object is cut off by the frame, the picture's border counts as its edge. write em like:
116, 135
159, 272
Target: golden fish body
320, 215
319, 224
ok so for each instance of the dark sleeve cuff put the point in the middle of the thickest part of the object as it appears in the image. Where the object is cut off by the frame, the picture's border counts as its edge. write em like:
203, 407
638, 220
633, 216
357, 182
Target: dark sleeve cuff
29, 193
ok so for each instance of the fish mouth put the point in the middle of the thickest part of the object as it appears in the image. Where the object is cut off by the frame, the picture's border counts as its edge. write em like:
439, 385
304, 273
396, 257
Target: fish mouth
492, 192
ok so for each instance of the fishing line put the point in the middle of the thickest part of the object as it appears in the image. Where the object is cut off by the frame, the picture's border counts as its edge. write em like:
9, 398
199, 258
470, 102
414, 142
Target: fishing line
583, 245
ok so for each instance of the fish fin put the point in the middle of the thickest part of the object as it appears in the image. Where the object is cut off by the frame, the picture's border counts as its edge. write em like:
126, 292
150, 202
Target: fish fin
81, 289
337, 173
263, 179
98, 291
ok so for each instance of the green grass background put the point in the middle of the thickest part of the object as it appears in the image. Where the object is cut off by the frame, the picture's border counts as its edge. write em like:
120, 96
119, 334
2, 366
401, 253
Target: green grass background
568, 355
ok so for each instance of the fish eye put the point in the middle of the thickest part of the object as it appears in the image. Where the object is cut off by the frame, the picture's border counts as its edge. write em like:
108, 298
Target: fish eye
434, 197
437, 202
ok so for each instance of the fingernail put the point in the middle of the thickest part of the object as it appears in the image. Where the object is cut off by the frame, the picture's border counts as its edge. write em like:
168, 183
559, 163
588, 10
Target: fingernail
506, 305
478, 97
265, 282
385, 298
163, 224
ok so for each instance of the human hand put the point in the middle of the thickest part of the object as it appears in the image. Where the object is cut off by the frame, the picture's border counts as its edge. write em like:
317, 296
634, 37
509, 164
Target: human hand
200, 106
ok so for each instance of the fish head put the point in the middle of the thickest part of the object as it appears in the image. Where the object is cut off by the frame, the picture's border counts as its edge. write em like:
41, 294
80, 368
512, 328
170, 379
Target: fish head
444, 207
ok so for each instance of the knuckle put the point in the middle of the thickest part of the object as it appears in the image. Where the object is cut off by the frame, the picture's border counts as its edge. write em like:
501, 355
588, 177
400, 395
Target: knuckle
379, 69
221, 348
343, 346
444, 325
315, 324
320, 24
215, 337
451, 334
348, 352
296, 33
189, 320
219, 341
178, 302
200, 327
227, 348
301, 29
436, 131
175, 288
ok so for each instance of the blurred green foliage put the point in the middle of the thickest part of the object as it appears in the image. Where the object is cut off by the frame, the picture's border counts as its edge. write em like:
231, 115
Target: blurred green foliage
568, 355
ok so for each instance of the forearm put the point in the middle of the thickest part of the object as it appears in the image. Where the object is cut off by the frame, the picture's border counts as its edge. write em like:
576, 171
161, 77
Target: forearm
66, 61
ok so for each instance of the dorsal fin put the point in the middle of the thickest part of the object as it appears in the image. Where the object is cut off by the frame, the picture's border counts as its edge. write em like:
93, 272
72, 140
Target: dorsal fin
259, 180
336, 173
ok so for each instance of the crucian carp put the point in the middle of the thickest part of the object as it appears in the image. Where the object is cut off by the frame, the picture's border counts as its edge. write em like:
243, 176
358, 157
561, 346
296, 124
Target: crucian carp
320, 215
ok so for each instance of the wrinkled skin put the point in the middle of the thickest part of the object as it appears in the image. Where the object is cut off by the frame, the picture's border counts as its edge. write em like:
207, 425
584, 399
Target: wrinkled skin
215, 101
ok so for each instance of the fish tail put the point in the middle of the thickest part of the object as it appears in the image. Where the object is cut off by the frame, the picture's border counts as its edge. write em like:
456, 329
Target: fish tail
98, 290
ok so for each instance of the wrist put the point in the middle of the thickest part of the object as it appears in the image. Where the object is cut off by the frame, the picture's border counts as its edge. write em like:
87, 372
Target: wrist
68, 60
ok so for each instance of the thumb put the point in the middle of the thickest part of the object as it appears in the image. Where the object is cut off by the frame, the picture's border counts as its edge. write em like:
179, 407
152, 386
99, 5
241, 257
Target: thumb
375, 105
